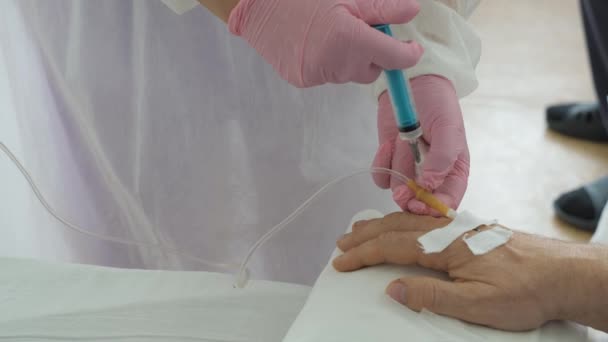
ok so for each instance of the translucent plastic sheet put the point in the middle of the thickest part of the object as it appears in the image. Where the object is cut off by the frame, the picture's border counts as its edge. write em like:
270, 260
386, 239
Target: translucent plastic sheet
49, 208
167, 157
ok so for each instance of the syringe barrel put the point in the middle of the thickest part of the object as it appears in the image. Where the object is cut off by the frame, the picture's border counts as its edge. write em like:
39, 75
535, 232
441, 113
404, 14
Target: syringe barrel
400, 94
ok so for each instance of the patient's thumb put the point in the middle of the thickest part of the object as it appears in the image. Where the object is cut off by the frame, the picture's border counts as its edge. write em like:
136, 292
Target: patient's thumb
438, 296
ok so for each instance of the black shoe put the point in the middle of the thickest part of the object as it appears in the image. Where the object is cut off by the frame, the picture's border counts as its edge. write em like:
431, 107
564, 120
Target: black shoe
583, 207
578, 120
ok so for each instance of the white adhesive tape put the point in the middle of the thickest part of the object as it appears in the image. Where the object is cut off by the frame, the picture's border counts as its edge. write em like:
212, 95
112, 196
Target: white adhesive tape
437, 240
488, 240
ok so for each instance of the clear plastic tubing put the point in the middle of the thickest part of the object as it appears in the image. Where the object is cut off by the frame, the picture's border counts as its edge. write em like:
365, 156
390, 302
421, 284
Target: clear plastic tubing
242, 275
221, 266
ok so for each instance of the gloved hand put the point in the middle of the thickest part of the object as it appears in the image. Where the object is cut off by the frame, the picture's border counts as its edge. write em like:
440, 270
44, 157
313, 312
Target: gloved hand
445, 170
313, 42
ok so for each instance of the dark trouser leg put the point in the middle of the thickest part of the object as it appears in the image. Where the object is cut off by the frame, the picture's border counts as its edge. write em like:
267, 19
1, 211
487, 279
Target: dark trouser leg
582, 207
595, 18
588, 121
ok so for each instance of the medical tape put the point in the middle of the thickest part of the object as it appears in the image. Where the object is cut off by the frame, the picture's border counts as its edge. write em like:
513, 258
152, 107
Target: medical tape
487, 240
439, 239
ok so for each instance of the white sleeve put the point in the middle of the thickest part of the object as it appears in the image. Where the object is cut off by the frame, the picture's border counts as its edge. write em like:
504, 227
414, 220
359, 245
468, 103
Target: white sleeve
452, 47
180, 6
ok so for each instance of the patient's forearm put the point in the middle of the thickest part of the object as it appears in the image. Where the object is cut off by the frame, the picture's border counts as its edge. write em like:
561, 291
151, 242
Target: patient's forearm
220, 8
589, 288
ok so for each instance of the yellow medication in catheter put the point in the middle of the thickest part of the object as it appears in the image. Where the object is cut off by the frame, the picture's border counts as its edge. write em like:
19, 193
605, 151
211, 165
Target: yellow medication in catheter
429, 199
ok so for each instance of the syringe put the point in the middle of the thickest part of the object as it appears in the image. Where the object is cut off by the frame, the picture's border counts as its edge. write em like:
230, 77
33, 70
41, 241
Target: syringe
403, 106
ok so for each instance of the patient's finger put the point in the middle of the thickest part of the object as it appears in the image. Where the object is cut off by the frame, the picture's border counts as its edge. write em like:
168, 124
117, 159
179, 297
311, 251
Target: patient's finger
363, 231
455, 299
393, 222
358, 226
390, 247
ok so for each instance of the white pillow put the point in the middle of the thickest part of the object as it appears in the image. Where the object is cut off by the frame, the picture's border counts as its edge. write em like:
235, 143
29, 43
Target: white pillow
351, 307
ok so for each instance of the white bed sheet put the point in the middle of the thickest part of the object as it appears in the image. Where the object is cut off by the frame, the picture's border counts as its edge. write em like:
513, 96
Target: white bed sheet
43, 301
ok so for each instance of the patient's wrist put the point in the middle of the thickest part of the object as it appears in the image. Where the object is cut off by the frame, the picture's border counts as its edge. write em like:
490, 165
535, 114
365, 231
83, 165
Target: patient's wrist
585, 297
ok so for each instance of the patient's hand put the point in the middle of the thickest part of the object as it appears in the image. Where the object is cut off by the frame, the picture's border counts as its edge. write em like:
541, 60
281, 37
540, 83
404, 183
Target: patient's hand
518, 286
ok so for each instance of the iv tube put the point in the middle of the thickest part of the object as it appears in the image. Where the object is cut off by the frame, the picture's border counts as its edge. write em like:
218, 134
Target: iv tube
242, 277
75, 227
243, 274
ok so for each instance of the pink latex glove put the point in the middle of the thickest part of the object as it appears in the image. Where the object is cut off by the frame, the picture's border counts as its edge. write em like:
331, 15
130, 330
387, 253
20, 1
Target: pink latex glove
313, 42
445, 170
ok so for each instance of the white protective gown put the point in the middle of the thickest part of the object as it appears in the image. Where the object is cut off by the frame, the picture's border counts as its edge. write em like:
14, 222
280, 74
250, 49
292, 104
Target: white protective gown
140, 123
